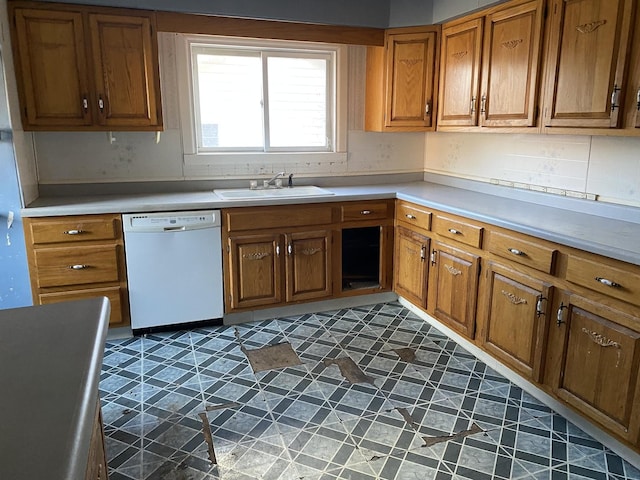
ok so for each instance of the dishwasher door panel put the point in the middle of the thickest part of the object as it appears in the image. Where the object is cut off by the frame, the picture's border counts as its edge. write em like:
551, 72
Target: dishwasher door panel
174, 277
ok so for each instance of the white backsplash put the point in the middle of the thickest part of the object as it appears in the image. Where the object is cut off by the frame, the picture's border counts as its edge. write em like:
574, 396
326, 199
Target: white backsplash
608, 167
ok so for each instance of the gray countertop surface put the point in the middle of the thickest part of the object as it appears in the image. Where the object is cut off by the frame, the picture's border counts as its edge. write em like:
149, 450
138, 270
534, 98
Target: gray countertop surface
50, 358
611, 237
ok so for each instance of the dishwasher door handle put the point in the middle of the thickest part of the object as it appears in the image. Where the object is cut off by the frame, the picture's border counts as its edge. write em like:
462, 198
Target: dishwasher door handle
175, 229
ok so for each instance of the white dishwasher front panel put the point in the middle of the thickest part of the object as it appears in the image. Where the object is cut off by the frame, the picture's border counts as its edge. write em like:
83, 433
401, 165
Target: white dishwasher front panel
174, 268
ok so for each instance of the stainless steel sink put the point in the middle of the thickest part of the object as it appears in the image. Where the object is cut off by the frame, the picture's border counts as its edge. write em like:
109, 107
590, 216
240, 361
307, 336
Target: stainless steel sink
285, 192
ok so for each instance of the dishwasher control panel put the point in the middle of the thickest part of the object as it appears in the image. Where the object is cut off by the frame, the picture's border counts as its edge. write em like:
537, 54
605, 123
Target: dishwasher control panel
171, 221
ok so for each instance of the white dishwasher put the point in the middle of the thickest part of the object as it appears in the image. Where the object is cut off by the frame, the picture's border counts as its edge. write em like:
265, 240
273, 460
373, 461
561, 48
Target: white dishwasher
174, 268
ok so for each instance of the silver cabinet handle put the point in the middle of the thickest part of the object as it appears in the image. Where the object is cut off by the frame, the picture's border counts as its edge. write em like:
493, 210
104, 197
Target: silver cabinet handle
614, 97
539, 310
454, 231
365, 212
515, 251
422, 252
73, 232
560, 314
101, 103
432, 257
607, 282
638, 100
277, 250
483, 104
473, 105
78, 267
289, 249
410, 217
427, 109
85, 104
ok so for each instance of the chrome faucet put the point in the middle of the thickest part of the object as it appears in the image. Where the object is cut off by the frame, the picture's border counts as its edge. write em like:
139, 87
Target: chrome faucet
273, 179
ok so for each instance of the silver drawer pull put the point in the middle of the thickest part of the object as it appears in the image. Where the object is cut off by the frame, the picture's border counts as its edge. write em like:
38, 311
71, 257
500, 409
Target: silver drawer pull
515, 251
454, 231
73, 232
78, 267
607, 282
410, 217
365, 212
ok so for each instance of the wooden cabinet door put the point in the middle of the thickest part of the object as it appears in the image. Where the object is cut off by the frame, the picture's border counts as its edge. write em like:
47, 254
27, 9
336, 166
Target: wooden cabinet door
453, 287
411, 265
514, 318
255, 270
460, 74
411, 66
308, 264
511, 59
127, 88
598, 372
588, 48
51, 68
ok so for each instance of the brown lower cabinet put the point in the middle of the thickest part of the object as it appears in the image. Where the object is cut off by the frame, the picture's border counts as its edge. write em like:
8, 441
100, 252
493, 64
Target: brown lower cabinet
97, 460
513, 319
595, 363
564, 319
411, 265
299, 253
453, 286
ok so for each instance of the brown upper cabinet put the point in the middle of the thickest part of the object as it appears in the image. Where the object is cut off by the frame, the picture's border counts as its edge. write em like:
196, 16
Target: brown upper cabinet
402, 81
86, 68
490, 67
589, 45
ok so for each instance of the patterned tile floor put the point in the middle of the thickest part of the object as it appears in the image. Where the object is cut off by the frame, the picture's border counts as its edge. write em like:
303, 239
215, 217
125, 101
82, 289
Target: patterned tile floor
443, 415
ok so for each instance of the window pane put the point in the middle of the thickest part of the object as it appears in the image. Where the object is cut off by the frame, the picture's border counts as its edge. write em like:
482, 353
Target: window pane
297, 102
230, 100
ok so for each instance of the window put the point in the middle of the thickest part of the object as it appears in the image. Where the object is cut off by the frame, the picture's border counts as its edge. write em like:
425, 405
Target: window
266, 97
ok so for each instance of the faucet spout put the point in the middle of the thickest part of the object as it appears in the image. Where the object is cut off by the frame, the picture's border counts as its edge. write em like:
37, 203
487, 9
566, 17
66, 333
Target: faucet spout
273, 179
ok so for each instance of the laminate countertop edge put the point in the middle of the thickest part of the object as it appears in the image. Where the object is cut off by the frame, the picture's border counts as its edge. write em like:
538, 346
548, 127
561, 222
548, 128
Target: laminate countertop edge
611, 237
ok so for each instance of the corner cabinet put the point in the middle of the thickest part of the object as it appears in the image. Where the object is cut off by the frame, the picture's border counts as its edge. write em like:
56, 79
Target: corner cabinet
589, 45
86, 68
76, 257
401, 87
490, 69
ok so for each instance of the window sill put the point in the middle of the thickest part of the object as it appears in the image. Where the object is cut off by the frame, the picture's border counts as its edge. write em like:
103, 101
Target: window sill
279, 158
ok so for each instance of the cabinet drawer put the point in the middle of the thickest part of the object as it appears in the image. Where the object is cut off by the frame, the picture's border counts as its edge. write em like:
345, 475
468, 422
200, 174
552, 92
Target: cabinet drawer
414, 215
522, 251
112, 293
256, 218
462, 232
58, 267
364, 211
616, 280
73, 229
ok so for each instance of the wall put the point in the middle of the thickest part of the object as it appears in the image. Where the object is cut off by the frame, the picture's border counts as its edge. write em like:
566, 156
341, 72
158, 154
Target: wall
608, 167
84, 157
364, 13
446, 9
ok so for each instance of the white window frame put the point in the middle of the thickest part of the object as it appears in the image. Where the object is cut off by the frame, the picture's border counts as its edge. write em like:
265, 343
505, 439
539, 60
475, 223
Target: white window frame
282, 156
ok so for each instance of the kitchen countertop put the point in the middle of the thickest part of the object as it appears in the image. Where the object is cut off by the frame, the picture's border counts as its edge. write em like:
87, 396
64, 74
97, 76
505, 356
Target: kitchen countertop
51, 358
615, 238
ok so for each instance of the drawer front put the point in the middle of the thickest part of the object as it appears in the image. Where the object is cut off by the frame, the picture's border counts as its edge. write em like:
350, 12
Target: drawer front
112, 293
241, 219
73, 229
518, 250
622, 282
58, 267
457, 230
364, 211
415, 215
